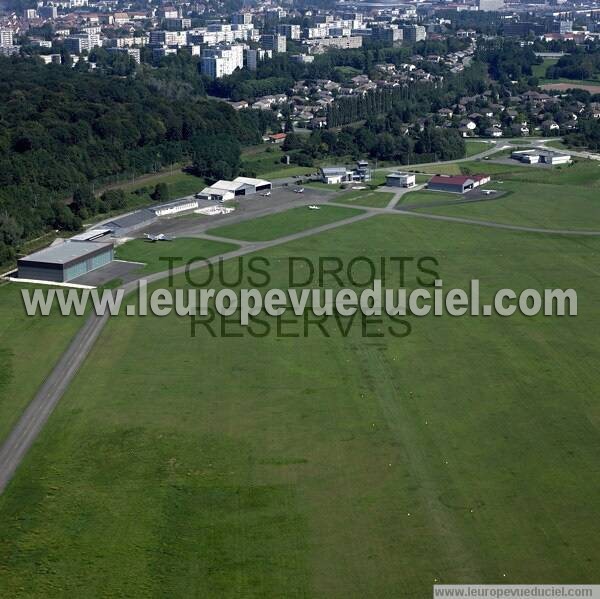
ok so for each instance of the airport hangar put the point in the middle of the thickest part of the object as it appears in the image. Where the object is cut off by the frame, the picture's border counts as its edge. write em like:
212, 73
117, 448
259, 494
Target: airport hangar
65, 261
222, 190
75, 257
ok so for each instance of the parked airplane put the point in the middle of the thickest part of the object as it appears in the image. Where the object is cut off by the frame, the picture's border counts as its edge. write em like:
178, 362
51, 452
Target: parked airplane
266, 194
299, 190
313, 207
159, 237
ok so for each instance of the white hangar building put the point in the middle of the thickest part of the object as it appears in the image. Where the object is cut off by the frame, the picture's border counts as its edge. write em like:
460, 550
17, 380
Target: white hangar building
223, 190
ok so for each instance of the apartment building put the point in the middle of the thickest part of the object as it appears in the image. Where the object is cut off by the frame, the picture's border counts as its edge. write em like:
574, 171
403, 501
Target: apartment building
222, 61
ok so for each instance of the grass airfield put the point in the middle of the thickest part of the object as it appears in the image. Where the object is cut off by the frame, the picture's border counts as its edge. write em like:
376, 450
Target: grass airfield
327, 466
294, 220
29, 348
550, 198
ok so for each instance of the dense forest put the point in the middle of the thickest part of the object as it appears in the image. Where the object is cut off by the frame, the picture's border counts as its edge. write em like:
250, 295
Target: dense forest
62, 129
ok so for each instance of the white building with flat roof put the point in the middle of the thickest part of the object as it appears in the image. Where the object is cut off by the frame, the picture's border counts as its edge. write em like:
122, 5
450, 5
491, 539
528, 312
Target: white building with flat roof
401, 180
218, 62
175, 207
6, 37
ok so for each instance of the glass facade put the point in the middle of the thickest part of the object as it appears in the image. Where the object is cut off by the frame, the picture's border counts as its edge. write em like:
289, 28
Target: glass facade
80, 268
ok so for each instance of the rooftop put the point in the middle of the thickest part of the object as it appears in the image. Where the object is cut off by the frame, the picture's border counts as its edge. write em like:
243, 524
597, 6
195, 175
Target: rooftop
65, 252
130, 220
334, 170
453, 179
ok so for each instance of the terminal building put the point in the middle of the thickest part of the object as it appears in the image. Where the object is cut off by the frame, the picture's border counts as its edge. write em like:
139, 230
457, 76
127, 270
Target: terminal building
65, 261
334, 175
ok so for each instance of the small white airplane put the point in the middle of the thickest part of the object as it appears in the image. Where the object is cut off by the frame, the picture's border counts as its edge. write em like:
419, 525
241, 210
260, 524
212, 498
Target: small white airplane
159, 237
488, 192
299, 190
266, 194
313, 207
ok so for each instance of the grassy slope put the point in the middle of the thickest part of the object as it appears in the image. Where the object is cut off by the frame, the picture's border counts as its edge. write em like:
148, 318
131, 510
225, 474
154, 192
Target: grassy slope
29, 348
139, 250
179, 184
283, 223
268, 165
327, 467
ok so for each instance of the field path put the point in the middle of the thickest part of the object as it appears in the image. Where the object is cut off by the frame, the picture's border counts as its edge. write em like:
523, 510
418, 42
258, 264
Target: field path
394, 402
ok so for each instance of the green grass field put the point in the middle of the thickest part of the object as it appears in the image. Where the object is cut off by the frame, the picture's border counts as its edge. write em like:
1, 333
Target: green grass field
29, 348
375, 199
476, 147
179, 184
581, 173
437, 169
186, 248
265, 161
327, 467
530, 204
283, 223
427, 197
539, 70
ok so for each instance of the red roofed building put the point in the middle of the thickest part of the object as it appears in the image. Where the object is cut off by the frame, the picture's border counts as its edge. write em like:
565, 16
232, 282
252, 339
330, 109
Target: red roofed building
277, 138
457, 183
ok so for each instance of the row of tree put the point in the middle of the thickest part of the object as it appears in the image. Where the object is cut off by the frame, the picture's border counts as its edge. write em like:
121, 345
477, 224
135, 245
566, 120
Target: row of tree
378, 139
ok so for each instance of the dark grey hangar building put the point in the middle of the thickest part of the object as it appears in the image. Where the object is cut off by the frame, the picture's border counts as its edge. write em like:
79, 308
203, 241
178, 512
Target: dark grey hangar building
456, 183
65, 261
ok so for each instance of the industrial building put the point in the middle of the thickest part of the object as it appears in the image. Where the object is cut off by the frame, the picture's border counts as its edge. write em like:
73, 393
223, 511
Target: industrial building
540, 156
401, 180
457, 183
65, 261
175, 207
223, 190
124, 225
